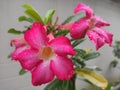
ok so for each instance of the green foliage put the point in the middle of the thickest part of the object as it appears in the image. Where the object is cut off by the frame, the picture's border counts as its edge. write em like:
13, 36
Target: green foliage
24, 18
68, 19
32, 13
109, 87
92, 55
57, 85
61, 33
49, 16
14, 31
22, 72
77, 42
82, 56
114, 63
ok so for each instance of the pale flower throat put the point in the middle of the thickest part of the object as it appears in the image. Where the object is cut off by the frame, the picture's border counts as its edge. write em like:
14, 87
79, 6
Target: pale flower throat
46, 53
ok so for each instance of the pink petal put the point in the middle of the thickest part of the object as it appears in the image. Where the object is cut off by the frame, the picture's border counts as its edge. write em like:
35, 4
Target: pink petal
62, 46
79, 29
29, 58
62, 67
42, 74
50, 36
20, 45
18, 42
67, 26
87, 9
36, 36
17, 51
99, 22
96, 39
106, 35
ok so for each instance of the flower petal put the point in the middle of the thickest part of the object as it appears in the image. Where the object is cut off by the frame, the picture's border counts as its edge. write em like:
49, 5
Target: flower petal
20, 45
29, 58
96, 39
17, 51
99, 22
79, 29
42, 74
62, 67
50, 36
66, 26
87, 9
18, 42
106, 35
36, 36
62, 46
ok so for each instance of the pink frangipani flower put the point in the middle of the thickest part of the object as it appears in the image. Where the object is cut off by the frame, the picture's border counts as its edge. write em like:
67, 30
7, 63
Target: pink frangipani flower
46, 56
91, 25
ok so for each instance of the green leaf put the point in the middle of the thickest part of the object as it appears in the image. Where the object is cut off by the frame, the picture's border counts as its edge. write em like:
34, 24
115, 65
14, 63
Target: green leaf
9, 56
114, 63
69, 19
53, 85
109, 87
96, 68
61, 33
92, 55
24, 18
74, 18
80, 52
32, 13
92, 77
22, 71
77, 42
14, 31
48, 16
117, 42
27, 6
61, 85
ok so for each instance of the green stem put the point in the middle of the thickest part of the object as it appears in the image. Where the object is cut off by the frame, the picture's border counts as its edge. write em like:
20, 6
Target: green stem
72, 83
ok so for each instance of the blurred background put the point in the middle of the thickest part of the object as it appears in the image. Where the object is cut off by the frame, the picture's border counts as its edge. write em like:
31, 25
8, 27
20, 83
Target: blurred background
10, 10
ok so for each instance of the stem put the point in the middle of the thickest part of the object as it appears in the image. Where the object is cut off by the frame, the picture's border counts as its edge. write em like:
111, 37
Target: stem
72, 83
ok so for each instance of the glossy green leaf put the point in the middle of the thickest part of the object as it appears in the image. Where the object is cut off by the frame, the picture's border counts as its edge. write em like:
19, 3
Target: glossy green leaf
14, 31
92, 77
24, 18
32, 13
22, 72
48, 16
77, 42
92, 55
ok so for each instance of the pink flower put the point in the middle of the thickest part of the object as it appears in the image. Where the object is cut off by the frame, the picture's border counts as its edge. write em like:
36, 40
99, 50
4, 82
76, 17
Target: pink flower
91, 25
45, 57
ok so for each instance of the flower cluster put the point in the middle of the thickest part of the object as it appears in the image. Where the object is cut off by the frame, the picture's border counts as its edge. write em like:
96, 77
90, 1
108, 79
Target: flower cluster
92, 26
47, 53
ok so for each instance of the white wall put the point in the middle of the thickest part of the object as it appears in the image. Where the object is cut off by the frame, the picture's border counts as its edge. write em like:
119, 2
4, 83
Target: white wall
10, 10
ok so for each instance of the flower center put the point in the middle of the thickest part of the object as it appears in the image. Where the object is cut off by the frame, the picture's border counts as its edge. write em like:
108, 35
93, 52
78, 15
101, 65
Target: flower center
46, 53
92, 24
